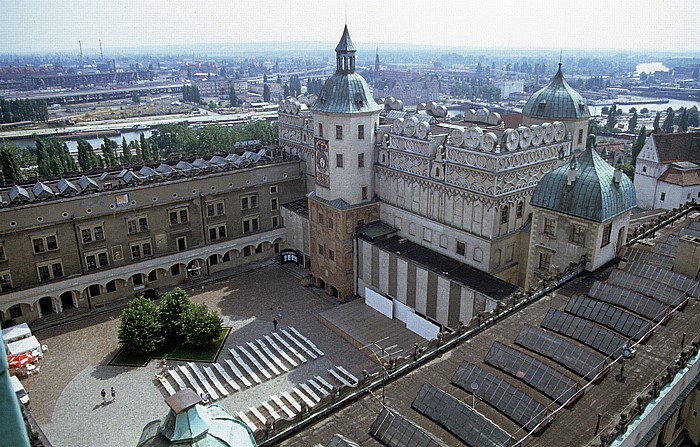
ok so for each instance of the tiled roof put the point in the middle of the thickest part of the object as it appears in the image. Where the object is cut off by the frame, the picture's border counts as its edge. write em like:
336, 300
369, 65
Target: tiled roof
594, 195
682, 177
677, 146
557, 100
345, 93
345, 43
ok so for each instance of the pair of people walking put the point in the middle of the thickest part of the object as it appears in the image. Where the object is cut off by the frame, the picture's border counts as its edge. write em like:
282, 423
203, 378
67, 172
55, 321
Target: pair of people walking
278, 318
112, 391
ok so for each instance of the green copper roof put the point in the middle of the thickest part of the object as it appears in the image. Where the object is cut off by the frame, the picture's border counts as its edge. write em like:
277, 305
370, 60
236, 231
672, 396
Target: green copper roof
557, 100
345, 43
593, 195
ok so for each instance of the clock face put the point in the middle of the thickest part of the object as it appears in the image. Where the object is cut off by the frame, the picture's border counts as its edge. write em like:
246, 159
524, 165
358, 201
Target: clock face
322, 175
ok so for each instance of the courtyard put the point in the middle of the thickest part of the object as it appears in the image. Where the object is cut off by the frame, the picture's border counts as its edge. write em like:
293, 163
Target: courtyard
65, 396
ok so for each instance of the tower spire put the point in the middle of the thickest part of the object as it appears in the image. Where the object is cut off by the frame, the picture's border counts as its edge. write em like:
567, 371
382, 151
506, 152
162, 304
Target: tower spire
345, 54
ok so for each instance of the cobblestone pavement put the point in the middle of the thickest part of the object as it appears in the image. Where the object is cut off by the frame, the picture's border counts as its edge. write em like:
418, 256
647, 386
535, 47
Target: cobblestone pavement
65, 396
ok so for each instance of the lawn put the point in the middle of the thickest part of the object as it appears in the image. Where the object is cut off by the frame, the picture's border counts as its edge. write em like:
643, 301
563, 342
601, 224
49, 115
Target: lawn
180, 352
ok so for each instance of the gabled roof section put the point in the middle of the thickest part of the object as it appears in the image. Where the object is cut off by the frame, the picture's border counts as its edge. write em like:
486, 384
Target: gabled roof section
682, 176
677, 146
557, 100
593, 194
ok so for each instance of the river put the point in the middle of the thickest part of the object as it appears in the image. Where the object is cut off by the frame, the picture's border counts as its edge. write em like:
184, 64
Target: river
95, 142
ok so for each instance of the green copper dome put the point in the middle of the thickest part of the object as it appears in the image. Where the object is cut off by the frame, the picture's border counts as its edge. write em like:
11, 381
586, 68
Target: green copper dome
557, 100
345, 91
586, 188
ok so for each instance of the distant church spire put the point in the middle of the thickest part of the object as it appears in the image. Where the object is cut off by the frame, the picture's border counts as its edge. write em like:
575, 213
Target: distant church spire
345, 54
376, 61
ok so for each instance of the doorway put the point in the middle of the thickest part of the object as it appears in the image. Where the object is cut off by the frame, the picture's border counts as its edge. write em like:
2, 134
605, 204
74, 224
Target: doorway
67, 300
46, 305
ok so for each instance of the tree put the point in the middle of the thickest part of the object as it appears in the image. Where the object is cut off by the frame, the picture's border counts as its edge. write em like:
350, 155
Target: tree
610, 124
668, 122
683, 120
232, 97
127, 157
638, 144
145, 148
108, 148
135, 98
632, 123
139, 330
171, 315
264, 78
657, 120
86, 156
644, 111
693, 117
9, 163
266, 93
202, 327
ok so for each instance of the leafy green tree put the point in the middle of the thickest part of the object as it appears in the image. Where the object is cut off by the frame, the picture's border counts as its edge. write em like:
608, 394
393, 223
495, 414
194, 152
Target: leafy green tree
644, 111
638, 144
668, 122
683, 120
145, 148
232, 97
86, 156
612, 113
139, 330
628, 170
266, 93
127, 156
9, 164
109, 152
171, 315
693, 117
136, 98
202, 327
657, 121
172, 139
42, 158
632, 123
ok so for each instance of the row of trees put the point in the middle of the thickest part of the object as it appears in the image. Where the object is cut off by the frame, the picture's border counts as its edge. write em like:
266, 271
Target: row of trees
15, 110
190, 93
52, 157
476, 88
146, 327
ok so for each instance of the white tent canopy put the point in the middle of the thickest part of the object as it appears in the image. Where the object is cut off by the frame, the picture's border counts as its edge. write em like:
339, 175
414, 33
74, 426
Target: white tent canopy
15, 333
25, 345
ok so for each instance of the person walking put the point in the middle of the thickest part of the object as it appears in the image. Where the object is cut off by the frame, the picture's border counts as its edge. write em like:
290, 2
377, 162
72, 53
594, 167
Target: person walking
274, 322
279, 313
103, 393
114, 393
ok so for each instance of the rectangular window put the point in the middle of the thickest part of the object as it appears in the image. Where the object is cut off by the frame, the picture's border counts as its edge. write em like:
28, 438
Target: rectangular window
92, 233
249, 202
141, 249
320, 129
331, 224
273, 189
274, 204
321, 250
50, 270
153, 276
175, 270
96, 260
179, 216
504, 214
216, 208
339, 160
519, 210
251, 224
138, 279
663, 196
44, 243
361, 132
2, 253
5, 280
246, 250
361, 160
545, 260
217, 232
275, 221
578, 234
15, 311
461, 248
549, 226
320, 218
331, 255
580, 136
338, 132
111, 286
94, 290
137, 224
606, 235
364, 193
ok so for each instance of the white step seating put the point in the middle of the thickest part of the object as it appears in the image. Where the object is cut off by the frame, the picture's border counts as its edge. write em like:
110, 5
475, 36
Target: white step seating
270, 410
190, 378
323, 382
282, 406
307, 389
246, 421
253, 347
292, 401
340, 378
238, 373
310, 403
244, 365
274, 358
345, 371
288, 346
281, 352
299, 345
168, 387
180, 383
215, 380
203, 380
309, 342
318, 387
258, 415
232, 383
255, 362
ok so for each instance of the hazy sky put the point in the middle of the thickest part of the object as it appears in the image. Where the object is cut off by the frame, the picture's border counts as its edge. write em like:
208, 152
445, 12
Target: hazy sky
649, 25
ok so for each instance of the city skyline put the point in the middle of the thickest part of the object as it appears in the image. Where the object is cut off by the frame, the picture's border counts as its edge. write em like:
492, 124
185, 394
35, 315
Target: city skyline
644, 25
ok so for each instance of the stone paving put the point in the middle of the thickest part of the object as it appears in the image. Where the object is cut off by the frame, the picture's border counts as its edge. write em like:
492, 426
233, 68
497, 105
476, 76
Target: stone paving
65, 396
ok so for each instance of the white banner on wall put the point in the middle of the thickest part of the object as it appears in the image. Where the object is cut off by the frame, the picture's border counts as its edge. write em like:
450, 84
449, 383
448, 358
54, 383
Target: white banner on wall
401, 311
379, 303
421, 326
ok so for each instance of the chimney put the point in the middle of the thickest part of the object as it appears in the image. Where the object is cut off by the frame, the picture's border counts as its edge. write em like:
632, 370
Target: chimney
617, 176
572, 173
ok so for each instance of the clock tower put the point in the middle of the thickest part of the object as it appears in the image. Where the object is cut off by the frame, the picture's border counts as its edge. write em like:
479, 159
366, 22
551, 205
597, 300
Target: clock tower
344, 117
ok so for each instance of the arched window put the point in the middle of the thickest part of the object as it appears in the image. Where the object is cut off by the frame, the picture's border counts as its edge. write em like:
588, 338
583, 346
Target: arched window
504, 214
